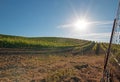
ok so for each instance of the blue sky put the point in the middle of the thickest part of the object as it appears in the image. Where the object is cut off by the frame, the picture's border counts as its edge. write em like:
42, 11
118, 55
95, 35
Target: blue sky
45, 18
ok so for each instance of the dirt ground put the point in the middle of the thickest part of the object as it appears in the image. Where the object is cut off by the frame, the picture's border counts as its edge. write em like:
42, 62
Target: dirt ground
50, 68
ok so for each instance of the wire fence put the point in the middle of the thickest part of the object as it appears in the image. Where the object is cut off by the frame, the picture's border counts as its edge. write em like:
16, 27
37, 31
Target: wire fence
115, 44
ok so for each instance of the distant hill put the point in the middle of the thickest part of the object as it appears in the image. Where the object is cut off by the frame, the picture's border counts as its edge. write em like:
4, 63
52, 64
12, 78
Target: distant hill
9, 41
18, 44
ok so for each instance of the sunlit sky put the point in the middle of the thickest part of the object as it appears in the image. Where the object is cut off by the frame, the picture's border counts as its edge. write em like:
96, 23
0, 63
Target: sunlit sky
57, 18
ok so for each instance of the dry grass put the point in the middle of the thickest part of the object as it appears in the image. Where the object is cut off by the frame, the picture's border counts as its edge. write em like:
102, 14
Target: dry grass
52, 68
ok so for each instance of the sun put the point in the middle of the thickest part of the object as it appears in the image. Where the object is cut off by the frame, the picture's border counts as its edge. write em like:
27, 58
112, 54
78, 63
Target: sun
81, 25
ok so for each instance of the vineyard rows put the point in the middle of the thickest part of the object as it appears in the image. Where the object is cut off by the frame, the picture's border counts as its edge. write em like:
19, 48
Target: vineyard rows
48, 44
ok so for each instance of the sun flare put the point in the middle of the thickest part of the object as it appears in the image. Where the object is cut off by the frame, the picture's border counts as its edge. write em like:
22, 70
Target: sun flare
81, 25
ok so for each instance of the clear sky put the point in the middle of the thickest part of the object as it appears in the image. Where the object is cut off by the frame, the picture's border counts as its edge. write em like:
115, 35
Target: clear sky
55, 18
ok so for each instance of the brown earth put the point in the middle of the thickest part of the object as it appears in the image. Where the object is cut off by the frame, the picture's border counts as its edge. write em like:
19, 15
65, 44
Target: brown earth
41, 68
36, 66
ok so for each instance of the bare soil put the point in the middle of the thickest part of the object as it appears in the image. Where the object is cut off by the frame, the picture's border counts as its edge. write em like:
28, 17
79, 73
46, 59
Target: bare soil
37, 68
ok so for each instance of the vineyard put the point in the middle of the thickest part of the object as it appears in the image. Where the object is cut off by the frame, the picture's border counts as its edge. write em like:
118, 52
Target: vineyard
40, 42
49, 44
50, 59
